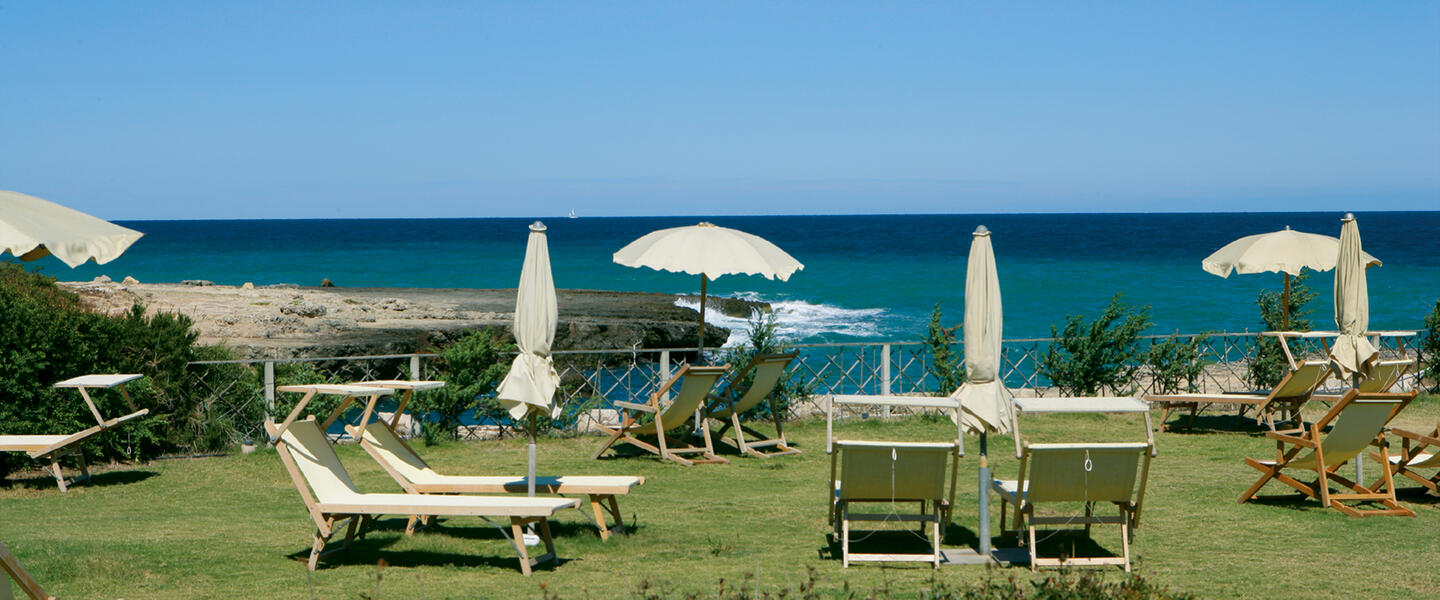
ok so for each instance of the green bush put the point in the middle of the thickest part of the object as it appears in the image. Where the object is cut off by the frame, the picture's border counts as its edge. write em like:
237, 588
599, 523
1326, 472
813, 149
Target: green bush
763, 340
1268, 365
1429, 351
1105, 353
1175, 365
472, 368
944, 361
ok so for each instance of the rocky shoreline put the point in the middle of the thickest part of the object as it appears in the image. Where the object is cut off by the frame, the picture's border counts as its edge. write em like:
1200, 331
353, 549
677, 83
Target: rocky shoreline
287, 321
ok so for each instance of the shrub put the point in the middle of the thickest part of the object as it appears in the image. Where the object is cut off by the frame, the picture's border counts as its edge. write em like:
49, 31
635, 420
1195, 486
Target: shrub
944, 361
472, 368
763, 340
1268, 364
1175, 365
1429, 350
1087, 357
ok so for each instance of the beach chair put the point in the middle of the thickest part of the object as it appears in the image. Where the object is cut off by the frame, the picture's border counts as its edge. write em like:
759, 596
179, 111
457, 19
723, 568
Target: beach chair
1293, 391
895, 475
49, 449
22, 578
1356, 421
415, 475
695, 383
727, 407
1417, 451
1383, 376
1085, 473
331, 498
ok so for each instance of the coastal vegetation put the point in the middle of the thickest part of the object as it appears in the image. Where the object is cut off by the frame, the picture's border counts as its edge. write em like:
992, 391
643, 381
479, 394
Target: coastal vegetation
945, 361
1103, 354
1267, 363
763, 328
1429, 350
472, 368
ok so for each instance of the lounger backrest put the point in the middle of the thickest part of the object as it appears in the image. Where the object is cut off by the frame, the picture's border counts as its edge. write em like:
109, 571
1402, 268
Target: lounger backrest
317, 461
1384, 375
382, 443
695, 385
768, 370
1357, 425
1303, 380
893, 470
1083, 472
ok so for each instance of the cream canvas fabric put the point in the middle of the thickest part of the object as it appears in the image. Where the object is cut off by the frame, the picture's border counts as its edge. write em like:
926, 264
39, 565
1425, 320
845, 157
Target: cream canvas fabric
708, 250
1284, 251
984, 401
1352, 352
530, 385
31, 228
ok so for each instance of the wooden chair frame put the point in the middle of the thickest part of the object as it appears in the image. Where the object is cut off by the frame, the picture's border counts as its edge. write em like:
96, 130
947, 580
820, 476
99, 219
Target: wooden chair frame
727, 407
686, 403
22, 578
1313, 438
1412, 447
48, 450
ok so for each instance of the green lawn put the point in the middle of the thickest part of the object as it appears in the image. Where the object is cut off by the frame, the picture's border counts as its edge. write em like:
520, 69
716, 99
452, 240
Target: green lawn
233, 526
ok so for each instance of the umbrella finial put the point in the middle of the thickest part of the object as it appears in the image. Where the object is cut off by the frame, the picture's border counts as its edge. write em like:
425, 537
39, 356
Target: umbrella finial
981, 230
537, 226
705, 224
1348, 217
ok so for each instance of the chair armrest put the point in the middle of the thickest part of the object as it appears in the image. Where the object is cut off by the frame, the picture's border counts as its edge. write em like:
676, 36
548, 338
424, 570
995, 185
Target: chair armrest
1298, 441
634, 406
1424, 439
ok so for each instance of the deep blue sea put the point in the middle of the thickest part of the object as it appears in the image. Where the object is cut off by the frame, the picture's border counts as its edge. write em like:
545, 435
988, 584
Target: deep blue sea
865, 277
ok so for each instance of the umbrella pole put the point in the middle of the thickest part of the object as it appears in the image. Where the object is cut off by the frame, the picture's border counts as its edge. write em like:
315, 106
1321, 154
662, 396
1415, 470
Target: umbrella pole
984, 496
700, 359
1285, 306
530, 484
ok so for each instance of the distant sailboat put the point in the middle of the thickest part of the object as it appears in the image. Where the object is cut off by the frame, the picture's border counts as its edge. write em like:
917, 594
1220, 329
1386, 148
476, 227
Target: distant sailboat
572, 214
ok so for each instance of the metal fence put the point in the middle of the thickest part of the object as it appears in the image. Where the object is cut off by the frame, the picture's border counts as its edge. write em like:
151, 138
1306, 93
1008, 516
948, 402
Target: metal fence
243, 392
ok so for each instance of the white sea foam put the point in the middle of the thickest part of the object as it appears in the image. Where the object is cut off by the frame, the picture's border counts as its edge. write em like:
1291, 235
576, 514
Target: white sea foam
795, 319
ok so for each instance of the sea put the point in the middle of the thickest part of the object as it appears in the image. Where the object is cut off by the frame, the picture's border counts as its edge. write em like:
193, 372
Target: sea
866, 277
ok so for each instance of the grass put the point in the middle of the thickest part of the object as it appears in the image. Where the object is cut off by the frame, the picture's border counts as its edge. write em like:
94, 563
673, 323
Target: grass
233, 527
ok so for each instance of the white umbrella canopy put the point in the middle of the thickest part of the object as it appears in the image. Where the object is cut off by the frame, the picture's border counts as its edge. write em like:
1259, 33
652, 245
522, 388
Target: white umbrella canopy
710, 252
31, 228
529, 388
984, 401
1285, 251
1352, 352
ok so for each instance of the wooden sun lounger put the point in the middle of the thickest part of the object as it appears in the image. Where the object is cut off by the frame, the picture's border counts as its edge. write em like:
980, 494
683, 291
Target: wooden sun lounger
1356, 421
1289, 395
331, 497
22, 578
1417, 451
892, 475
49, 449
411, 471
727, 407
695, 384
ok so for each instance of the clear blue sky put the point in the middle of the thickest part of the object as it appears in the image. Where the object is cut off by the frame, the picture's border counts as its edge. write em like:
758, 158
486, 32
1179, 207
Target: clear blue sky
144, 110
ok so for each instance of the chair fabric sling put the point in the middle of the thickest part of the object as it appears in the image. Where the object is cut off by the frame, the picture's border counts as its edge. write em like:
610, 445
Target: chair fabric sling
1383, 376
726, 407
331, 497
411, 471
20, 576
695, 384
1356, 421
1085, 473
1292, 392
1417, 451
895, 475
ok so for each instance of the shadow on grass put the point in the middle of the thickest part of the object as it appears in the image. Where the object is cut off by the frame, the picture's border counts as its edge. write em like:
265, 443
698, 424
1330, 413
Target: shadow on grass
370, 551
108, 478
1212, 424
472, 528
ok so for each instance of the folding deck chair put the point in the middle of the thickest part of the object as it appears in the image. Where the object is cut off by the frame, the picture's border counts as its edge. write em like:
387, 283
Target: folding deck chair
331, 497
407, 468
49, 449
896, 475
695, 384
1383, 376
1293, 391
726, 407
1423, 454
22, 578
1356, 421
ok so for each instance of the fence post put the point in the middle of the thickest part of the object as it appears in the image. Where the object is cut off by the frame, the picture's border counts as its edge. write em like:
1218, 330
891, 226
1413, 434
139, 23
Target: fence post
415, 367
885, 375
269, 390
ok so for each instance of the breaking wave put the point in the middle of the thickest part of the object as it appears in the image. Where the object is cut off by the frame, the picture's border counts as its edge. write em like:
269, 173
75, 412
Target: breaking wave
797, 320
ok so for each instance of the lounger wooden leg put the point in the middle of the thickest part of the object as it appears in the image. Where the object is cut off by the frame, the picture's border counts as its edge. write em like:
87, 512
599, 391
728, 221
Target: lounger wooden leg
935, 537
844, 541
600, 519
316, 549
350, 532
517, 533
740, 437
1125, 536
54, 468
615, 435
1034, 558
615, 511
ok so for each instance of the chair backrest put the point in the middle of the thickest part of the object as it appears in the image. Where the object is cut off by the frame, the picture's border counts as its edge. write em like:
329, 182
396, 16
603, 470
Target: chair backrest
1082, 472
1302, 381
1358, 420
768, 369
695, 384
317, 461
893, 470
395, 455
1385, 374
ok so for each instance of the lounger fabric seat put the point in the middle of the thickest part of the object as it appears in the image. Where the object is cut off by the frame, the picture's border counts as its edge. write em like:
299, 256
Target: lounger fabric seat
331, 496
727, 406
883, 482
417, 477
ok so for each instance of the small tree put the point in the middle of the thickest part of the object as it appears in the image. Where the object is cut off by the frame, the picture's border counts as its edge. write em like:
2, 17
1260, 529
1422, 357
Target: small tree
1429, 351
1175, 365
944, 361
1268, 365
472, 368
763, 328
1105, 353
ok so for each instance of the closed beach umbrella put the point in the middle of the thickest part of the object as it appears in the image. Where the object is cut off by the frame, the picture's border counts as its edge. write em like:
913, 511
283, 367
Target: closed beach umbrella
710, 252
1284, 251
529, 388
1352, 352
984, 401
32, 228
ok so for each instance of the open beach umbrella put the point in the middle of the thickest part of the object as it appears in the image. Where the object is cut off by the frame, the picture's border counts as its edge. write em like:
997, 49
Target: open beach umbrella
984, 401
529, 388
1285, 251
710, 252
1352, 352
31, 228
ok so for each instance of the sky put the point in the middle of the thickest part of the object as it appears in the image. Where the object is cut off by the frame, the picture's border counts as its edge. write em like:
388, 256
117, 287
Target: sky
194, 110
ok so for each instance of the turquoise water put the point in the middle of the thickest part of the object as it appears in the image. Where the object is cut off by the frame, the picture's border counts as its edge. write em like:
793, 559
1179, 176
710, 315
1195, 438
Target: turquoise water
865, 277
